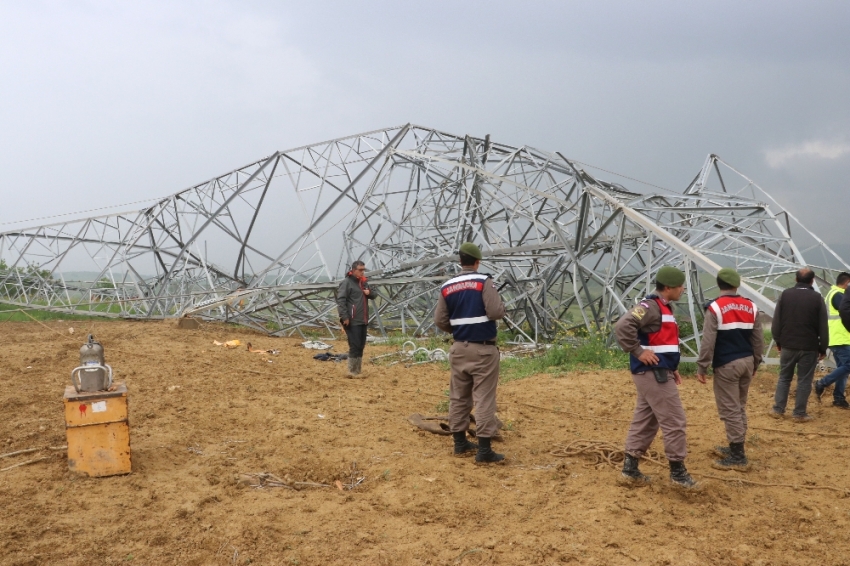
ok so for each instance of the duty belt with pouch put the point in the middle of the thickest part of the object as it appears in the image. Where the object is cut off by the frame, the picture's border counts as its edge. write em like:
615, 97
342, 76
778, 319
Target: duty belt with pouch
660, 374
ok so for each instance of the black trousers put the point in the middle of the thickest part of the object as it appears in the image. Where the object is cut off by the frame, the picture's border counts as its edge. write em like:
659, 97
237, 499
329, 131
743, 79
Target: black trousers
356, 339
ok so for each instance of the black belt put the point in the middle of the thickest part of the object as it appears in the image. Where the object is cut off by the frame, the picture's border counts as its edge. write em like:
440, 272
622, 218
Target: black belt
485, 342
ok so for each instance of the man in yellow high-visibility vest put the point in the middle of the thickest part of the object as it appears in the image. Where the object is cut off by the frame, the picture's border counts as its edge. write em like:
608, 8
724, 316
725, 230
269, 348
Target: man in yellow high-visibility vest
839, 343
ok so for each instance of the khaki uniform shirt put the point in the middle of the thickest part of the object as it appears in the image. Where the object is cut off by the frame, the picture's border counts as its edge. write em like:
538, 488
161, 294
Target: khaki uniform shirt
643, 317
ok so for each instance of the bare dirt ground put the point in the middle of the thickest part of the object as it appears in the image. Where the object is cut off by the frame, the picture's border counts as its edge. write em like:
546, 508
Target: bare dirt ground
201, 415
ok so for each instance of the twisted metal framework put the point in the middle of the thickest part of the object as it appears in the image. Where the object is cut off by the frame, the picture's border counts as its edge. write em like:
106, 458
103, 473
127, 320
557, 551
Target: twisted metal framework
266, 245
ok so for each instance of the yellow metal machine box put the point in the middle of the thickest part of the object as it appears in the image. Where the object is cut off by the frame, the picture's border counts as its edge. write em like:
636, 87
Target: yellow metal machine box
98, 431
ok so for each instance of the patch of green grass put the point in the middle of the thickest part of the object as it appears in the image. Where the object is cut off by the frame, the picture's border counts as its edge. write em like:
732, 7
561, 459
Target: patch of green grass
687, 368
12, 313
590, 353
443, 406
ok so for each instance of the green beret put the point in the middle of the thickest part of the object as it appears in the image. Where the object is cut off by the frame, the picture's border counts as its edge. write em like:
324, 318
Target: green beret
730, 276
471, 250
670, 276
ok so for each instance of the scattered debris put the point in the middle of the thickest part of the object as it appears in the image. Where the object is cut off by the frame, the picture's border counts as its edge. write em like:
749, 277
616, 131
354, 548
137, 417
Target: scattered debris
255, 351
23, 463
328, 357
265, 479
435, 425
355, 477
71, 330
28, 451
524, 350
228, 344
316, 345
414, 355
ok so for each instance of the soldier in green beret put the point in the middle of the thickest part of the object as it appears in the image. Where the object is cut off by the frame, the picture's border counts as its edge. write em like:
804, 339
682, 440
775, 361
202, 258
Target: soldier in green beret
469, 306
733, 344
649, 333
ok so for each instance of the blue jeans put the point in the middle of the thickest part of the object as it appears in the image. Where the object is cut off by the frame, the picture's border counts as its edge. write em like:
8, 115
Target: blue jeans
838, 376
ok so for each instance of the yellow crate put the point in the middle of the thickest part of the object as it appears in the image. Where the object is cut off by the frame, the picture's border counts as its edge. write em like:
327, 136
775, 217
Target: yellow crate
98, 431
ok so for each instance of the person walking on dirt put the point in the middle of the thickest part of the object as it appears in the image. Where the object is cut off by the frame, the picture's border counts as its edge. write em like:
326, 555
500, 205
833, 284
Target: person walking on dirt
733, 344
649, 333
352, 301
801, 334
839, 343
469, 306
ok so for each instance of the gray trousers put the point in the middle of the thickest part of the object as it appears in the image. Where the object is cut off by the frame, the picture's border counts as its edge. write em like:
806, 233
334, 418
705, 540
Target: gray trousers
731, 386
658, 405
475, 376
805, 362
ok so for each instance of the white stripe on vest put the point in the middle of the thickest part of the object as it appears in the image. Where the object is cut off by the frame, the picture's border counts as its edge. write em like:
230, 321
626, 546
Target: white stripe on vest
735, 325
472, 320
661, 349
668, 318
460, 278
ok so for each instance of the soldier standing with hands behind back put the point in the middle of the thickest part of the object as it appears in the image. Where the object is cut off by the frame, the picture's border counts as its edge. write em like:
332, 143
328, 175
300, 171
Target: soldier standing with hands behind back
733, 344
649, 333
469, 306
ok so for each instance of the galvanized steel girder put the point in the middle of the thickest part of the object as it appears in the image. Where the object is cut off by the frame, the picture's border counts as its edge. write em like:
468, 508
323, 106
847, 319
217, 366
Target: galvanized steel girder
265, 245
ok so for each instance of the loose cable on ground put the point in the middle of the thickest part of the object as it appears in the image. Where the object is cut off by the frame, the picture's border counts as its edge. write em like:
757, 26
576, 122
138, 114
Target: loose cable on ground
602, 452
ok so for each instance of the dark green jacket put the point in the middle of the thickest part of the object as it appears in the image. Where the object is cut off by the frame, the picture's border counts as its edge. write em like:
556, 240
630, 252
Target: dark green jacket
351, 303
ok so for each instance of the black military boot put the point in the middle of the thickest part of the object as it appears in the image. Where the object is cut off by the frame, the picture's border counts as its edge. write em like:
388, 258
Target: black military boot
485, 454
736, 460
631, 472
679, 475
463, 447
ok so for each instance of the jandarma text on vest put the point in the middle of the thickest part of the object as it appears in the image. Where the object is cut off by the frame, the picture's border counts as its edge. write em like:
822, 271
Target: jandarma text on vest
736, 307
463, 286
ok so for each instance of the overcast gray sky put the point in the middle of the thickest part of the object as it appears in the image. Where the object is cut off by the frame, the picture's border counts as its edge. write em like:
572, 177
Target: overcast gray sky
105, 103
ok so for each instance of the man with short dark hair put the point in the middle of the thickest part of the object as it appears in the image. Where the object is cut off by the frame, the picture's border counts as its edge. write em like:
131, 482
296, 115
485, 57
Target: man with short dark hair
352, 298
469, 306
801, 334
839, 343
733, 344
649, 333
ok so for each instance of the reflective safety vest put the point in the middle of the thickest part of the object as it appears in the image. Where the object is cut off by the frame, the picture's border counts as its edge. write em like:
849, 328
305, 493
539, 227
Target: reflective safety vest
467, 315
665, 342
838, 335
736, 318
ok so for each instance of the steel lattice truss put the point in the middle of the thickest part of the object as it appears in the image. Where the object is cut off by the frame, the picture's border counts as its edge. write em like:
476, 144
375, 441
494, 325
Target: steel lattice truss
267, 244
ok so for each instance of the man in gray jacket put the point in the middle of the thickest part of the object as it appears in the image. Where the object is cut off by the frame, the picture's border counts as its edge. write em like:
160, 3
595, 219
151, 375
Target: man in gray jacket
352, 298
801, 333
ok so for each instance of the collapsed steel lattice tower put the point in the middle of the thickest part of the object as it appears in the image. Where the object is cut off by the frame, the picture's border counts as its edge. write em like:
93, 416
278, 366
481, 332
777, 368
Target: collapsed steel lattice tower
265, 245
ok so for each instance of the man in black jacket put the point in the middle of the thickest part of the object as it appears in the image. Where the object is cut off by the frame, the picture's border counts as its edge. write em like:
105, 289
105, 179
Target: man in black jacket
801, 333
352, 298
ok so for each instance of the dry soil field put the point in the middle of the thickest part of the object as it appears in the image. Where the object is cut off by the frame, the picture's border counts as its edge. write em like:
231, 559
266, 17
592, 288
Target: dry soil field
201, 415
